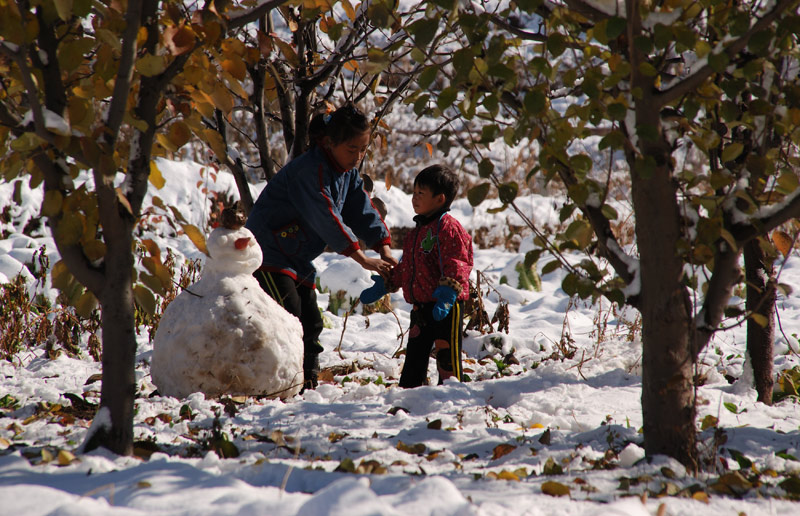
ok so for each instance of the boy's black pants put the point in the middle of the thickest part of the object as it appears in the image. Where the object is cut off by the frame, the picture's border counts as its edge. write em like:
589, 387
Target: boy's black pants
300, 301
426, 334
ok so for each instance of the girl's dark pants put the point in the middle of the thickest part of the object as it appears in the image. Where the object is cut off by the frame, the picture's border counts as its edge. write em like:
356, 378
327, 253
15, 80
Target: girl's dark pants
426, 334
300, 301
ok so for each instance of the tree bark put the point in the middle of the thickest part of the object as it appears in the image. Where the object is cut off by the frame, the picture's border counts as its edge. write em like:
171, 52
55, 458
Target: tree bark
118, 390
668, 402
761, 296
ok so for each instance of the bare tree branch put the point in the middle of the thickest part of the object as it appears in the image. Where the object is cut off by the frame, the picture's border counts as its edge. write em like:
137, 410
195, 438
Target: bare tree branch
122, 84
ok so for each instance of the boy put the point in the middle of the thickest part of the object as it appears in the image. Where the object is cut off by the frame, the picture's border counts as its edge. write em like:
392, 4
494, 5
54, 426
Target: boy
434, 274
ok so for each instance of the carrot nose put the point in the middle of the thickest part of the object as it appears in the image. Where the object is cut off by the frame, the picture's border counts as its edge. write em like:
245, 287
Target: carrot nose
241, 243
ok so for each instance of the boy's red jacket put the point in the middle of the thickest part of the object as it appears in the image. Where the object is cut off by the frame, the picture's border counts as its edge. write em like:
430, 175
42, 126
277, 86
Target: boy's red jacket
436, 252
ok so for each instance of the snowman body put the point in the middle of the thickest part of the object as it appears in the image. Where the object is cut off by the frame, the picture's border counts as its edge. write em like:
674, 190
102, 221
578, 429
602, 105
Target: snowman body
224, 334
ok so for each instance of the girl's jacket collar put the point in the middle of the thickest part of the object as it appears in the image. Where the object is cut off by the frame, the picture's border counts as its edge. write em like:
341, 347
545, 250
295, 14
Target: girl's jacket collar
332, 162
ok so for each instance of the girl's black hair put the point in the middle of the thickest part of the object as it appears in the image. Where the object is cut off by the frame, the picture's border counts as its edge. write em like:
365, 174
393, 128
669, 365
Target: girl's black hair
342, 125
440, 180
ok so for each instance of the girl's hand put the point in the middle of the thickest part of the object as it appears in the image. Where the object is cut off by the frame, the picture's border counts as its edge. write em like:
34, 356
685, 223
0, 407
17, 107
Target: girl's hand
378, 265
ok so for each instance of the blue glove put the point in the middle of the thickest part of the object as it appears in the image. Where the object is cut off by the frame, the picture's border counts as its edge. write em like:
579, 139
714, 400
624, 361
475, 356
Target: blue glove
373, 293
445, 297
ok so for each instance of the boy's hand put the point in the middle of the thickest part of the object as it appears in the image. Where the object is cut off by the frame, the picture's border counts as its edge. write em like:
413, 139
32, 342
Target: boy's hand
445, 297
373, 293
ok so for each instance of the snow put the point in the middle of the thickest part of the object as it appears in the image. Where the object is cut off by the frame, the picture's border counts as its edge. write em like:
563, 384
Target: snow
565, 410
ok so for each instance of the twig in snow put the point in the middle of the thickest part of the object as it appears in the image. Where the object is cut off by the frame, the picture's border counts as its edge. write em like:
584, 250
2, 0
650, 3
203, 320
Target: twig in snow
344, 327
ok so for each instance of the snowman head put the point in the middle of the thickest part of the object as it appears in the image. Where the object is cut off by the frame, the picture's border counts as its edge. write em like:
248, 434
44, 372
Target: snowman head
232, 252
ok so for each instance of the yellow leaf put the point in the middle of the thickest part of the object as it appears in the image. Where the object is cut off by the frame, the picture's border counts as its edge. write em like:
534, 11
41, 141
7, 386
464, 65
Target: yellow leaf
759, 319
60, 275
86, 304
155, 176
123, 201
501, 450
203, 104
288, 52
414, 449
164, 142
430, 149
555, 489
216, 143
236, 67
179, 40
732, 483
107, 37
507, 475
222, 98
235, 85
65, 458
69, 229
51, 206
537, 425
701, 496
157, 269
196, 237
145, 299
731, 152
142, 484
47, 455
64, 9
348, 9
709, 422
724, 233
388, 179
351, 65
152, 248
150, 65
783, 242
179, 134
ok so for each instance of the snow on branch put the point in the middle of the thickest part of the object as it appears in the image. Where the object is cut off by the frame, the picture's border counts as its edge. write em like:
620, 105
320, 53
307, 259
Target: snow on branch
241, 19
699, 75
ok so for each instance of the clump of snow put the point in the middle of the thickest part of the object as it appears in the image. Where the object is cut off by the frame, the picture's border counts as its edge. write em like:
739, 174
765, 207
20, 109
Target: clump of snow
630, 455
224, 334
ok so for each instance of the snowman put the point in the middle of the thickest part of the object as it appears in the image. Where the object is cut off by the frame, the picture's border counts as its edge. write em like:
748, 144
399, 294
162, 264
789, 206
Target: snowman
224, 334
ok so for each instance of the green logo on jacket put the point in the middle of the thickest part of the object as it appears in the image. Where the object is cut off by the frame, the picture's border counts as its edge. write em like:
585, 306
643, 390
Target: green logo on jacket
428, 242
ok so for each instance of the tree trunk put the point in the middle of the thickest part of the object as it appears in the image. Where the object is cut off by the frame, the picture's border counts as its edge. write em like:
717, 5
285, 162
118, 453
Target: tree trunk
668, 401
761, 296
118, 390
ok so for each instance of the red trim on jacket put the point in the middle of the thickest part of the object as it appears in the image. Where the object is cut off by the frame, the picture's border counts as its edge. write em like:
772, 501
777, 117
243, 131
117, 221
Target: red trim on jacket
287, 272
351, 249
385, 241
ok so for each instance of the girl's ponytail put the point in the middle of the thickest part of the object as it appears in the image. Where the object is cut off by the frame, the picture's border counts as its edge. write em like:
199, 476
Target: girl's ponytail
344, 124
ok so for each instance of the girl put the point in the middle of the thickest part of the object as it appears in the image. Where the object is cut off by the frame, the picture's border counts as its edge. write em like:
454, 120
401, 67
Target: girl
314, 201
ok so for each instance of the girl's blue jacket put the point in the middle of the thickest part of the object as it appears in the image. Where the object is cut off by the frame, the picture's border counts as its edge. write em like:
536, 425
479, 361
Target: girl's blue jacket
311, 203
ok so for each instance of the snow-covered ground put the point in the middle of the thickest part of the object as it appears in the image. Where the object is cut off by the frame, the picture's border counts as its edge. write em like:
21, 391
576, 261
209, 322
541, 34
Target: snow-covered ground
549, 423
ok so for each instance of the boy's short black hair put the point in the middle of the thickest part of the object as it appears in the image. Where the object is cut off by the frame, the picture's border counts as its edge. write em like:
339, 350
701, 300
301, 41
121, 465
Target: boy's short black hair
440, 180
